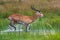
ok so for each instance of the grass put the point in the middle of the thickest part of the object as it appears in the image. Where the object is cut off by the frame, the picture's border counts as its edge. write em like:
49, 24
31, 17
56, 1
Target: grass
29, 36
3, 24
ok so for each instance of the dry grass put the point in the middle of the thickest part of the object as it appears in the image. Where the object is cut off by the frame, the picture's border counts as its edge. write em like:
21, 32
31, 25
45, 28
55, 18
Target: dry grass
24, 5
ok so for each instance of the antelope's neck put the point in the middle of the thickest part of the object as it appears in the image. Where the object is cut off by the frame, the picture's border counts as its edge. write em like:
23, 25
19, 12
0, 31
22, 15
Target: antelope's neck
35, 17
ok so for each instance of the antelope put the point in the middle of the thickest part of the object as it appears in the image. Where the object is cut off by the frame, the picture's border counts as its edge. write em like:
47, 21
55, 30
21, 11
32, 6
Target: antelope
23, 19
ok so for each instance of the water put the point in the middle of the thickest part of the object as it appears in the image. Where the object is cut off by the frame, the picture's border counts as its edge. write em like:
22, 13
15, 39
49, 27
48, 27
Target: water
44, 32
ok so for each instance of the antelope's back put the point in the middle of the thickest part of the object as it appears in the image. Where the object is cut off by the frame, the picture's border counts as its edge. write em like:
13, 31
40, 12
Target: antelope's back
14, 17
22, 18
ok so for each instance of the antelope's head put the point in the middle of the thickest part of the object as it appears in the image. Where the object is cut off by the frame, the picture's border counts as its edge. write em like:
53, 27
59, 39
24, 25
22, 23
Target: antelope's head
38, 13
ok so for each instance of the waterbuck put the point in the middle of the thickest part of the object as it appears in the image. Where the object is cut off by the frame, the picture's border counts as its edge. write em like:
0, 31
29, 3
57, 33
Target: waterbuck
23, 19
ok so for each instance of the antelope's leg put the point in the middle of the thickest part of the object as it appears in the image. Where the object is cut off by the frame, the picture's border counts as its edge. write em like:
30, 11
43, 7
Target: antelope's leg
27, 27
12, 25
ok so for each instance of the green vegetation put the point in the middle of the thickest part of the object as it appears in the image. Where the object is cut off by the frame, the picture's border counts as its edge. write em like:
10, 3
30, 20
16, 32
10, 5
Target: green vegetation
29, 36
50, 21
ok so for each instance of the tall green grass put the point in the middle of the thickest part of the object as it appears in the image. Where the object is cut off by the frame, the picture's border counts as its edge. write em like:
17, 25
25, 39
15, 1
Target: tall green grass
4, 24
29, 36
